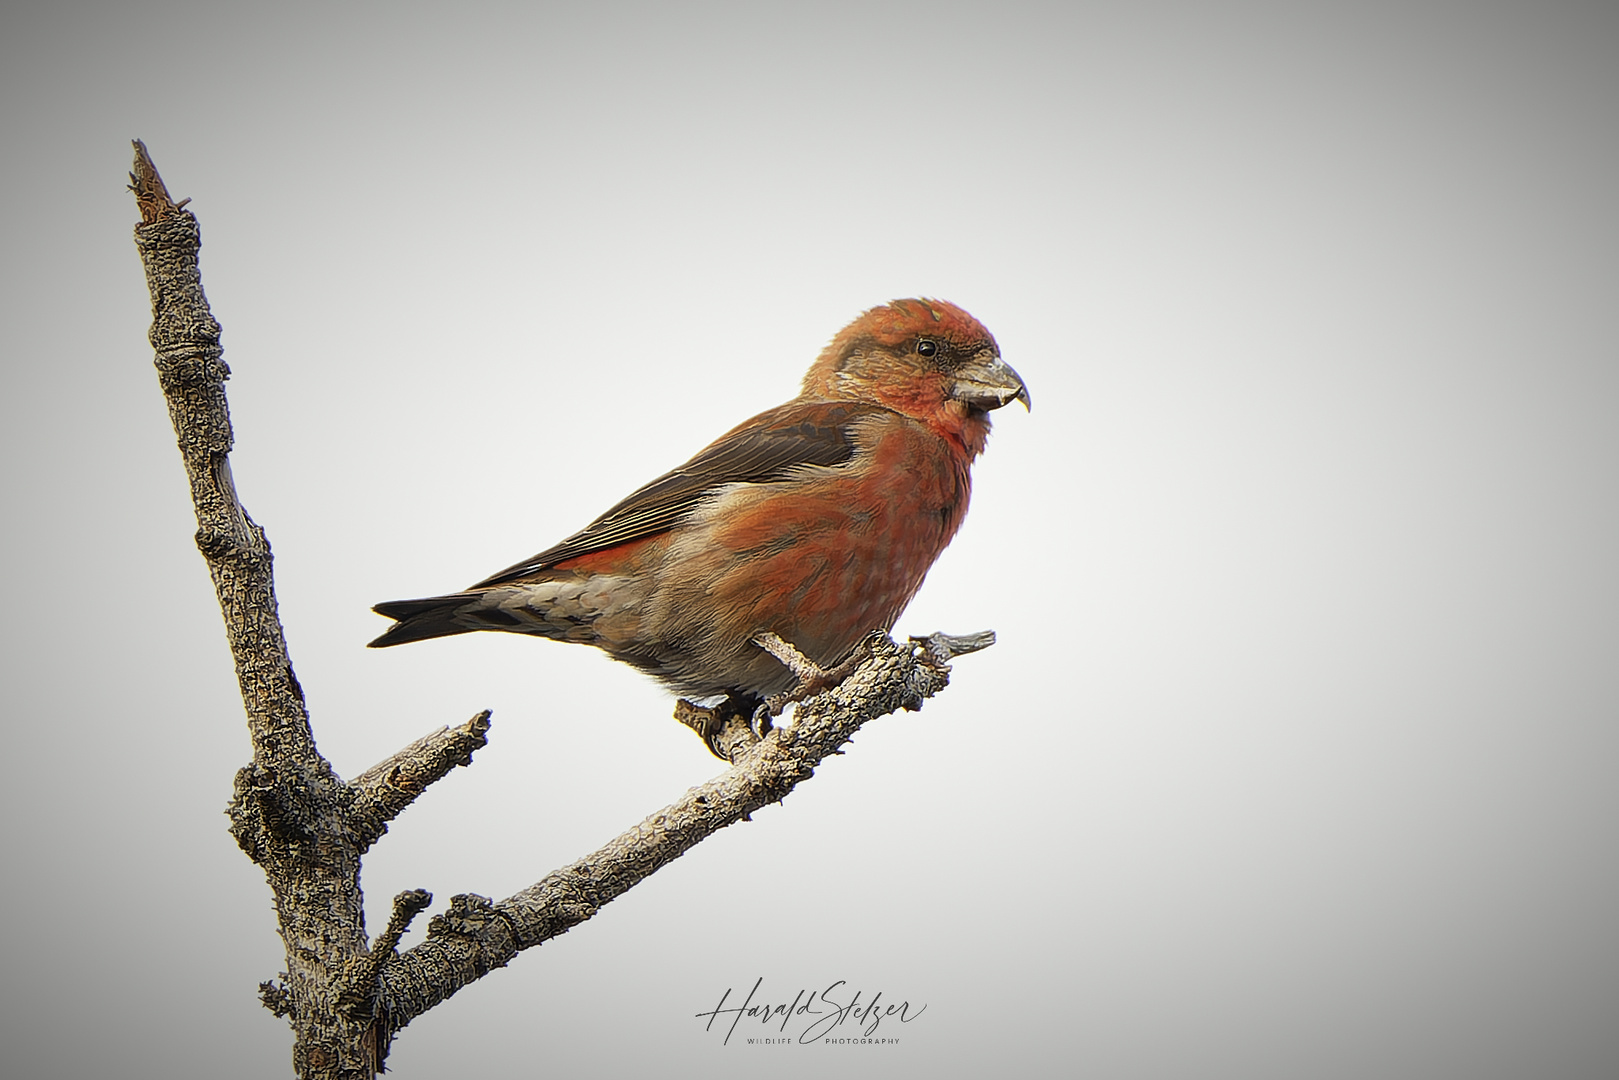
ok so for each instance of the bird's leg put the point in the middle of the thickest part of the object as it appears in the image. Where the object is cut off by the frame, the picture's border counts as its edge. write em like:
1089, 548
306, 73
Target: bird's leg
743, 719
728, 727
812, 677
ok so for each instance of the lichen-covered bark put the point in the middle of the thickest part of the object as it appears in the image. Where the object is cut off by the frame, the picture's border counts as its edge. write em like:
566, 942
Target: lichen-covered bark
289, 812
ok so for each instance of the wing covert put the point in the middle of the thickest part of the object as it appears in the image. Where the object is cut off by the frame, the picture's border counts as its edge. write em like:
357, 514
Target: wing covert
765, 448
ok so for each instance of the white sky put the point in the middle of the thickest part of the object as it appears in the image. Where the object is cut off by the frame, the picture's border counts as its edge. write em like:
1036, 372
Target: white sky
1297, 754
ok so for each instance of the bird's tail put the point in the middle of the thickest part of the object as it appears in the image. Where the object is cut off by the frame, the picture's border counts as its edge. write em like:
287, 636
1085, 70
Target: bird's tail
563, 609
430, 617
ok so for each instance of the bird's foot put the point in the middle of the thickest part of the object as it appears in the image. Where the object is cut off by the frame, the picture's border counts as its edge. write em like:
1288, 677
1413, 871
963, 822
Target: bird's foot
812, 677
729, 727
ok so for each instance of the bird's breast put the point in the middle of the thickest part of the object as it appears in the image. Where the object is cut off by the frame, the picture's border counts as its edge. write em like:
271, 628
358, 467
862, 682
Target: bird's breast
825, 555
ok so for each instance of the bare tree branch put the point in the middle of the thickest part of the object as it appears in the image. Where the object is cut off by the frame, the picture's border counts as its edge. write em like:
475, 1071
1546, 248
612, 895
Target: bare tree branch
308, 829
386, 788
478, 936
356, 991
289, 809
192, 372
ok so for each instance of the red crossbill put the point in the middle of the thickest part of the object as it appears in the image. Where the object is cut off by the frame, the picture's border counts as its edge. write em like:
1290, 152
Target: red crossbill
816, 520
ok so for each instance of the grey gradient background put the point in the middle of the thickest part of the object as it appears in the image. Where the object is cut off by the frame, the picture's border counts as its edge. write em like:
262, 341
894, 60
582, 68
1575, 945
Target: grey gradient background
1297, 757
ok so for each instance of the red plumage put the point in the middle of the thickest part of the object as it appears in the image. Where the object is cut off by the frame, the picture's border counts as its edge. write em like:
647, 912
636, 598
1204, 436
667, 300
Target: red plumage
816, 520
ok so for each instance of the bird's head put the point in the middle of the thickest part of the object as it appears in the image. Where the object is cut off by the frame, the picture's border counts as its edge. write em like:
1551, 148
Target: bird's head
926, 359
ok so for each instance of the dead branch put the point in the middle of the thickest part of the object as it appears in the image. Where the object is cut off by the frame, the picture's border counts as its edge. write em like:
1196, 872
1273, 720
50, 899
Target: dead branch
307, 828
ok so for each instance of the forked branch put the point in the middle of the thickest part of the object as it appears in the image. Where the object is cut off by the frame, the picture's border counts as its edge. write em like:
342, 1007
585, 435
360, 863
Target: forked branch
308, 829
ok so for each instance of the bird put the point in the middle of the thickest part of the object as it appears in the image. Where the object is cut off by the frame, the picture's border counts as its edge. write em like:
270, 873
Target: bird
811, 524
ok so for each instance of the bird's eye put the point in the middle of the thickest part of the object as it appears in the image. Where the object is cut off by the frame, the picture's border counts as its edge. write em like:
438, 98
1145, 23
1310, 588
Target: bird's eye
926, 347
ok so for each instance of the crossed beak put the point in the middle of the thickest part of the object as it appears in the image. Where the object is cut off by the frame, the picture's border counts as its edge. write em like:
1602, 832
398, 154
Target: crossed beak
988, 382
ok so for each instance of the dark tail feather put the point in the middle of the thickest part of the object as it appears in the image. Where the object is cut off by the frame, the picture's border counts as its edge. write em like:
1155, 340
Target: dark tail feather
419, 620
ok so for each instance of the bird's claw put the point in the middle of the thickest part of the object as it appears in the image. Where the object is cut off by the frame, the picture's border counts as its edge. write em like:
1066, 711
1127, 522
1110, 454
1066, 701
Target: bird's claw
760, 722
718, 725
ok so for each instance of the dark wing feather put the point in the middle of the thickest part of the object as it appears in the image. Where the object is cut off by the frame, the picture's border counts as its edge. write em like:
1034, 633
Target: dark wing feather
765, 448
